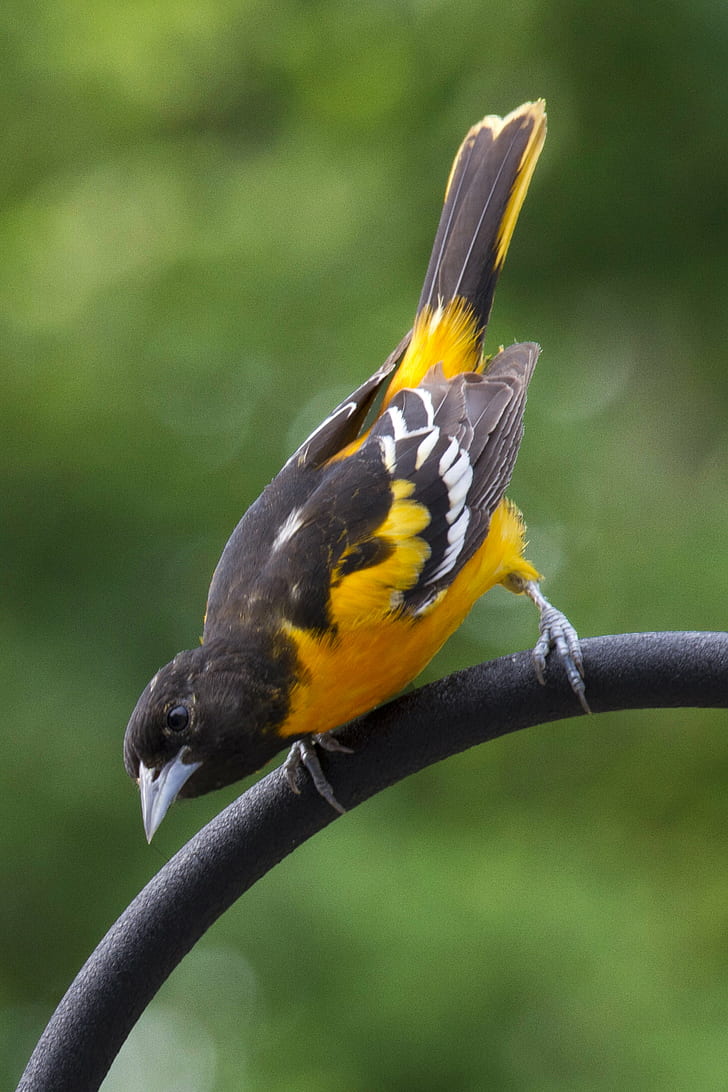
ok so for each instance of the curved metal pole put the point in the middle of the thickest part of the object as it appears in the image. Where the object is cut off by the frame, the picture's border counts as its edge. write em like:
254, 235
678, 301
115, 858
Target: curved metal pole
631, 671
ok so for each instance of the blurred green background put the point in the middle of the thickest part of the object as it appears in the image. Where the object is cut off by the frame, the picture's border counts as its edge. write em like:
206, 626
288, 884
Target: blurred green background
215, 219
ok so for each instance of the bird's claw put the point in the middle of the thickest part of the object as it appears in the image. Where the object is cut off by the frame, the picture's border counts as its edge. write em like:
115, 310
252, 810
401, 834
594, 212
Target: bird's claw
303, 753
328, 742
556, 632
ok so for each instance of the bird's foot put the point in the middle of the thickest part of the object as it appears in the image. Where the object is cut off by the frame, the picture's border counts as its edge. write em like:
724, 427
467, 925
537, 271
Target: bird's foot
556, 632
303, 753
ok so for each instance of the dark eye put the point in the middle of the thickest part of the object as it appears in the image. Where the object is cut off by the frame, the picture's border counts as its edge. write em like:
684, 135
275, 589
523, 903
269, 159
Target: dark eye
178, 718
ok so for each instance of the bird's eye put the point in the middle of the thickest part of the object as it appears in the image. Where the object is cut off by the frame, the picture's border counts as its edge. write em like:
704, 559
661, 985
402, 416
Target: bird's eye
178, 718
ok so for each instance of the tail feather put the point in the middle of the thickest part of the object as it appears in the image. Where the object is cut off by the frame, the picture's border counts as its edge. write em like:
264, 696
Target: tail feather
484, 195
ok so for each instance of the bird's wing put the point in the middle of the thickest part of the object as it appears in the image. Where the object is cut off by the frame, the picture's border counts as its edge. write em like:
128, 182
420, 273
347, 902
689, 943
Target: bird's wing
392, 525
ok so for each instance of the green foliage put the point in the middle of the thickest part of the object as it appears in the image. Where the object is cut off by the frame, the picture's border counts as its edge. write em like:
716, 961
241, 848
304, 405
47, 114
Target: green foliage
214, 219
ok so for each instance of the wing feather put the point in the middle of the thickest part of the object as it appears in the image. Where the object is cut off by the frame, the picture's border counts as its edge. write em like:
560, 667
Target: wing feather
478, 422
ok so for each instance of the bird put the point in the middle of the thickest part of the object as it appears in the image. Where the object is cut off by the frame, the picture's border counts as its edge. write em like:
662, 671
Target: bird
370, 546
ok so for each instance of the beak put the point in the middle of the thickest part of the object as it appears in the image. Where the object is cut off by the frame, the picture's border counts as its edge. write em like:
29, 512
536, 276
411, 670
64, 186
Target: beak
159, 789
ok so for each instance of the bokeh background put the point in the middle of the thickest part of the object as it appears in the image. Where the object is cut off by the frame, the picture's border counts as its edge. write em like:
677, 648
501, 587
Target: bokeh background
214, 221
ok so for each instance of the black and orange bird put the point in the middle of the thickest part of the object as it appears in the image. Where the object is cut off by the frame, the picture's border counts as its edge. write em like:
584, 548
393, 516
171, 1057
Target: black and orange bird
371, 545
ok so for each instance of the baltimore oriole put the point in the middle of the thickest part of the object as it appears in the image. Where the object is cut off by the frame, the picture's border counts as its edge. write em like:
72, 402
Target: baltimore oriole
371, 545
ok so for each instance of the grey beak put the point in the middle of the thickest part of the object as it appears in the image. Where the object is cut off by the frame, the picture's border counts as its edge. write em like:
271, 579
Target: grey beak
159, 788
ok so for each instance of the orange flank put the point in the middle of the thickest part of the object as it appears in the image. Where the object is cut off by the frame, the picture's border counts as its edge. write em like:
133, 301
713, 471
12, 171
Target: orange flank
339, 682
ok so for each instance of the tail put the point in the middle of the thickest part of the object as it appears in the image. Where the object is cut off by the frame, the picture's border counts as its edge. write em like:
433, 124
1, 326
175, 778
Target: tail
484, 195
485, 191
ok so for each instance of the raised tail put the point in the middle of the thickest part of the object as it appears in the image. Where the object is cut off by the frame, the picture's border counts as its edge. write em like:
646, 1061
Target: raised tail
485, 191
484, 195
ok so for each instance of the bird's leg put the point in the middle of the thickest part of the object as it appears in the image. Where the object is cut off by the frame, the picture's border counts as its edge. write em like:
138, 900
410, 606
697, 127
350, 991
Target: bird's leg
555, 631
303, 752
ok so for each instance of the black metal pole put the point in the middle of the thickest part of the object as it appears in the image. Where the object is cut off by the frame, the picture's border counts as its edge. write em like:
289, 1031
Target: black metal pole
631, 671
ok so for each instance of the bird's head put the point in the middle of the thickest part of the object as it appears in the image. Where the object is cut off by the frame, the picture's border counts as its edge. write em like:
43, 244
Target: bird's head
205, 720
